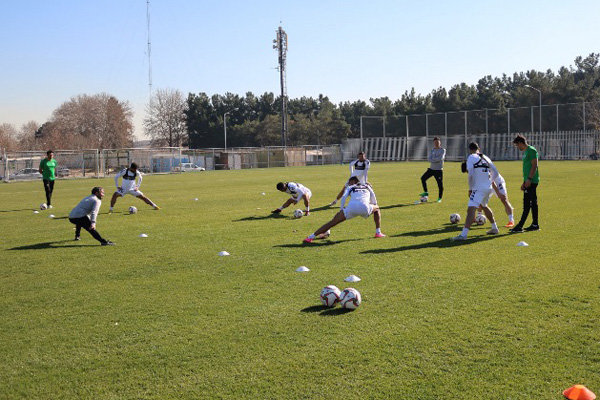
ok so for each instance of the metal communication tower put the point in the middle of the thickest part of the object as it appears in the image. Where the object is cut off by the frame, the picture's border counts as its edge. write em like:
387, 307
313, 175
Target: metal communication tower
281, 45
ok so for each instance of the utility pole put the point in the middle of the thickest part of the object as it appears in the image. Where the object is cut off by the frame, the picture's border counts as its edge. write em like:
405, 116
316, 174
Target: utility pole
281, 45
149, 48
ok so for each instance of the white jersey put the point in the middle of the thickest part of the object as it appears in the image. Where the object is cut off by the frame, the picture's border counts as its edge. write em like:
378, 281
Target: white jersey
129, 179
479, 167
359, 193
297, 190
360, 169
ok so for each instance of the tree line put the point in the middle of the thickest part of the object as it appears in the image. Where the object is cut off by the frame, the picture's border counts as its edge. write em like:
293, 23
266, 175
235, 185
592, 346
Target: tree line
197, 121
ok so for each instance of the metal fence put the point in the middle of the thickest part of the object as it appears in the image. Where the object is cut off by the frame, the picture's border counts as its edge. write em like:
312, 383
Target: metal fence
94, 163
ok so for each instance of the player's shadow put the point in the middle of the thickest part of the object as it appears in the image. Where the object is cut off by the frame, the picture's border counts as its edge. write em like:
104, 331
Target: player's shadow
255, 218
315, 243
22, 209
50, 245
442, 243
396, 206
322, 208
445, 229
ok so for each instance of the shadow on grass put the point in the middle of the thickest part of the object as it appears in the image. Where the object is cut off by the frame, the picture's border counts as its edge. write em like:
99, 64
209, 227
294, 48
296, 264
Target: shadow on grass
335, 311
445, 229
315, 244
397, 206
22, 209
315, 308
51, 245
255, 218
442, 243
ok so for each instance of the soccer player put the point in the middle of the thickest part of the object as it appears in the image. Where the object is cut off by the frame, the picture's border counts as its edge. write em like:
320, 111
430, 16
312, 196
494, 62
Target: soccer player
48, 170
85, 213
436, 168
480, 189
499, 186
531, 179
362, 203
131, 182
298, 192
358, 168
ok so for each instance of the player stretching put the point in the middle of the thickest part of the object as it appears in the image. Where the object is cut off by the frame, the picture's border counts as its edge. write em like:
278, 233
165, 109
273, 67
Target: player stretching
298, 192
436, 168
358, 168
84, 216
480, 189
362, 202
499, 186
129, 186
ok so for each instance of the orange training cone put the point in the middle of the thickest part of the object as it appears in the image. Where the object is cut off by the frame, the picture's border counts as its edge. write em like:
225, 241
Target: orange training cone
579, 392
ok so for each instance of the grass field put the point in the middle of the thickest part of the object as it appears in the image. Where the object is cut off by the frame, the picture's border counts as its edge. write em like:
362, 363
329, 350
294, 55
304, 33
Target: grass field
165, 317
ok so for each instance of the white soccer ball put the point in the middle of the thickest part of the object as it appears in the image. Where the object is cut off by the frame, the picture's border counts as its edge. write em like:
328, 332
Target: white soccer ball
424, 199
298, 213
132, 210
480, 219
350, 299
43, 206
454, 218
330, 295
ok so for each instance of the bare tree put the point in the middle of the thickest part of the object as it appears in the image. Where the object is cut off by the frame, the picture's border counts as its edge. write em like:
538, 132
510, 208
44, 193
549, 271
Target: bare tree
8, 137
165, 118
27, 136
96, 121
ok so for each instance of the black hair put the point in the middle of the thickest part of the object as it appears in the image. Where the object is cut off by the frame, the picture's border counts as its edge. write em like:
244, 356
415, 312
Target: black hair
281, 186
133, 166
437, 138
355, 178
49, 152
473, 146
96, 189
520, 139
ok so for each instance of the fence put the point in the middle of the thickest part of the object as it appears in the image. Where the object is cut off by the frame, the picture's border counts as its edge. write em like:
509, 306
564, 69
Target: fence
94, 163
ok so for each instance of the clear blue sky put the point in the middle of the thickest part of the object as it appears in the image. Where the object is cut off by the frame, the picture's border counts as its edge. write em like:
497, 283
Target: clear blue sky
347, 50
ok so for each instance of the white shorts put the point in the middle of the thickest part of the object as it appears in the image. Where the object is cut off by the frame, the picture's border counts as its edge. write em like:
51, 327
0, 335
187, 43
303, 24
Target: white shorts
132, 192
308, 196
480, 197
502, 189
358, 210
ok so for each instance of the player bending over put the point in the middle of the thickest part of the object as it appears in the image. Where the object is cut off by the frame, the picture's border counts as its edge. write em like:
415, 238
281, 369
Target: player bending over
362, 203
480, 189
84, 216
298, 192
131, 182
358, 168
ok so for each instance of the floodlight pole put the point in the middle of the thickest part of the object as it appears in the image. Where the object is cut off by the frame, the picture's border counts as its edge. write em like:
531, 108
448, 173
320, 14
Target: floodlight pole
225, 126
540, 98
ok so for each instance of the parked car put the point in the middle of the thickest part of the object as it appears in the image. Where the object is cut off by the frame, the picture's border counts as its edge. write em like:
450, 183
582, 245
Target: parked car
27, 173
187, 167
62, 172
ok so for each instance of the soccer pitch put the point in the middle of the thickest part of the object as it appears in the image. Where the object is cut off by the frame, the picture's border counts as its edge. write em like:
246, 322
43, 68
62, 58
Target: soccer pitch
164, 317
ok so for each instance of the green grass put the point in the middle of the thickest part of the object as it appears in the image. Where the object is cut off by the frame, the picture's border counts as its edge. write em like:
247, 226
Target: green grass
166, 318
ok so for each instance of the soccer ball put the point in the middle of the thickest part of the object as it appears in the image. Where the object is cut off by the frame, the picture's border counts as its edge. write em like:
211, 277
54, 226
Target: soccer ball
454, 218
132, 210
298, 213
350, 299
480, 219
330, 295
424, 199
43, 206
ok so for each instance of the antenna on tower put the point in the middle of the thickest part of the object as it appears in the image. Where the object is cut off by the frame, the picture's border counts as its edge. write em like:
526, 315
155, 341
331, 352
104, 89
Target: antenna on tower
281, 44
149, 49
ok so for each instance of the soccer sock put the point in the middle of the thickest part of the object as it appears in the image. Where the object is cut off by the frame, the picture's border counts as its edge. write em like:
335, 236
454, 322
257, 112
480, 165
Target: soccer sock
311, 236
494, 226
465, 232
378, 230
511, 218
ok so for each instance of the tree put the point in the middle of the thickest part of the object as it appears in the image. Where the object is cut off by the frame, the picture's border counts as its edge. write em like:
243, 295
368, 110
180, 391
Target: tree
89, 121
8, 137
165, 120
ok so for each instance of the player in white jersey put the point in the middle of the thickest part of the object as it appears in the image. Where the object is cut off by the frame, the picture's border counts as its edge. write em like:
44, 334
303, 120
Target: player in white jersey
298, 192
130, 184
480, 189
358, 168
362, 203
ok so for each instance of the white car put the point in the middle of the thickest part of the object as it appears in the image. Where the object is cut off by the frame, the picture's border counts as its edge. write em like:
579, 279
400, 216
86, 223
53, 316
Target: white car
187, 167
27, 173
